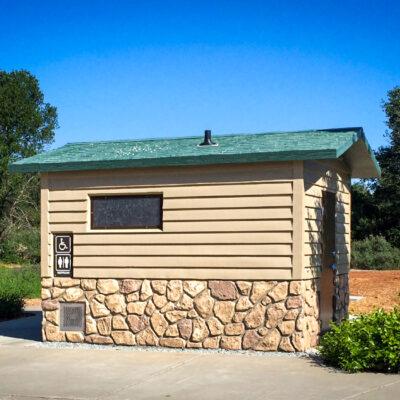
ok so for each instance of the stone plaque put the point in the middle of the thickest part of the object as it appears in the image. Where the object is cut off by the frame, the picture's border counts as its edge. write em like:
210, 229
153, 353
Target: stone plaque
72, 316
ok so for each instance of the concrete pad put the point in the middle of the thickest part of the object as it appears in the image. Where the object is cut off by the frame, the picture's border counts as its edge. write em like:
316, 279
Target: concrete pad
32, 370
219, 376
77, 373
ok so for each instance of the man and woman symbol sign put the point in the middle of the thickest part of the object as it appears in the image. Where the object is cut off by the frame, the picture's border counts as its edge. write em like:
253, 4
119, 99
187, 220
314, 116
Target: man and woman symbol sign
63, 250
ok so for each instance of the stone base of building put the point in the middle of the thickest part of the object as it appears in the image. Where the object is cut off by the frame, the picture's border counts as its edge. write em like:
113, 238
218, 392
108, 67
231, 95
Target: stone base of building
232, 315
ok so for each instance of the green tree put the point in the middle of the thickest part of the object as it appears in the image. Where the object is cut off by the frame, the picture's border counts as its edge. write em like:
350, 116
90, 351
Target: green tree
363, 211
387, 189
376, 203
27, 125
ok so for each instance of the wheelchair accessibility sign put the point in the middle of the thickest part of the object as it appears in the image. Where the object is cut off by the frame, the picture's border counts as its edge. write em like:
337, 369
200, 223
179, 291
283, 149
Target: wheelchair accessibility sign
63, 254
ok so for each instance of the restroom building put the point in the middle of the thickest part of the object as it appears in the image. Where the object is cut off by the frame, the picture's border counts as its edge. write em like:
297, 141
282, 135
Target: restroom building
233, 242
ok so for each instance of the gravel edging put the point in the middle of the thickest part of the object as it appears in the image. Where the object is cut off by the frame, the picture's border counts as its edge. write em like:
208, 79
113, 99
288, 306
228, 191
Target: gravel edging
312, 353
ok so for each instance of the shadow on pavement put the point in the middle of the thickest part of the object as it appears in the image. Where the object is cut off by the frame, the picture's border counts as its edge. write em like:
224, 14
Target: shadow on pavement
27, 327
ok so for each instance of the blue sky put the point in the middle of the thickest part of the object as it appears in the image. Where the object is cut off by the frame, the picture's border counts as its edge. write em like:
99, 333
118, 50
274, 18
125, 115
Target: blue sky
137, 69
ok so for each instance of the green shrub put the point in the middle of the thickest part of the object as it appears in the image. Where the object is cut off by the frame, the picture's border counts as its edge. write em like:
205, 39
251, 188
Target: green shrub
21, 246
24, 280
374, 252
10, 305
368, 343
15, 285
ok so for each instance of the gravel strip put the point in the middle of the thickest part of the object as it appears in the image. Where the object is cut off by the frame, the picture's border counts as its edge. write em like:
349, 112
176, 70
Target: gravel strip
63, 345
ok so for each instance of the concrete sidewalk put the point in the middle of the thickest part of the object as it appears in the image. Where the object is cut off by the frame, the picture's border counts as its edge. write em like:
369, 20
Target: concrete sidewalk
32, 370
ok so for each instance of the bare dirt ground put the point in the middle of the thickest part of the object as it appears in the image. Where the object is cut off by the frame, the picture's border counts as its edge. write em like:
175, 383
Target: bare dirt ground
32, 302
380, 289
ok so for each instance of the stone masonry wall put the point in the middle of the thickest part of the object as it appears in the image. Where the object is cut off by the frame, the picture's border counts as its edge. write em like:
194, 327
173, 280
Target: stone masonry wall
233, 315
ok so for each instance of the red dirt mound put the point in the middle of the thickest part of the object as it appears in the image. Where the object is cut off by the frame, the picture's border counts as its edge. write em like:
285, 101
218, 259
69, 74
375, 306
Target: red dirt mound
380, 289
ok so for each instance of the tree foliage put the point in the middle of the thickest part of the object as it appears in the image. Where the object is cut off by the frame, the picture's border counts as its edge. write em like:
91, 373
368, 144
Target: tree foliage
363, 211
387, 188
374, 252
376, 204
27, 125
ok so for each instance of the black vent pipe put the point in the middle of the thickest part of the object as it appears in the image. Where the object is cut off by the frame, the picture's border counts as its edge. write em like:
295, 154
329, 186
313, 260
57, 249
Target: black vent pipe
207, 139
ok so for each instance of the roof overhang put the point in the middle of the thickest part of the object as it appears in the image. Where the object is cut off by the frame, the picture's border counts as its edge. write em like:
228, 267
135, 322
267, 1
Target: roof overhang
360, 158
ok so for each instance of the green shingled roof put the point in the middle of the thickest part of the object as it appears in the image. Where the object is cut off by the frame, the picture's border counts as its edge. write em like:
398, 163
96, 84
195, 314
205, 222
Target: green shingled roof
237, 148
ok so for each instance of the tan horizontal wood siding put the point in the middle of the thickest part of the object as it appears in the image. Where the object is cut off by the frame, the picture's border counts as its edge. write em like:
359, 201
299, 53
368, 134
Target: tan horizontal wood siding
45, 235
332, 176
229, 222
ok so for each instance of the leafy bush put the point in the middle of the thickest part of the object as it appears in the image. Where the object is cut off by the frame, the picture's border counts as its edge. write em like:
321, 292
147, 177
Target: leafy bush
10, 304
374, 252
25, 280
371, 342
15, 285
21, 246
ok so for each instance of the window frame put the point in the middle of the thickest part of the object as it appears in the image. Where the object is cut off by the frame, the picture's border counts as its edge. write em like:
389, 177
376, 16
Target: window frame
130, 227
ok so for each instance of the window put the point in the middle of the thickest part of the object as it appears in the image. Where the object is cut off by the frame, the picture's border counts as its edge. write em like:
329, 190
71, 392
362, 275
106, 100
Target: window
126, 212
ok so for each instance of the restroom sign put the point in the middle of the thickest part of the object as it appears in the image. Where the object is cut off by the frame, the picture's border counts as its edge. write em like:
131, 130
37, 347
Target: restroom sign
63, 254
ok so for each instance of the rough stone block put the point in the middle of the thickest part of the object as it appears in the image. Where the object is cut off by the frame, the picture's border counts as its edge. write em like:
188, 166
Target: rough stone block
159, 286
174, 290
98, 339
66, 282
244, 287
269, 342
203, 304
175, 315
107, 286
215, 326
137, 307
116, 303
279, 292
104, 325
73, 294
193, 288
261, 289
234, 329
138, 323
125, 338
75, 337
294, 302
200, 331
50, 305
146, 338
224, 311
47, 282
53, 333
98, 309
130, 285
211, 342
158, 323
172, 331
119, 322
185, 328
172, 342
145, 291
231, 342
255, 317
223, 290
88, 284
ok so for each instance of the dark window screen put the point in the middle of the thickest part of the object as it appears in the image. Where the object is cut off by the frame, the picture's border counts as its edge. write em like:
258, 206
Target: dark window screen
124, 212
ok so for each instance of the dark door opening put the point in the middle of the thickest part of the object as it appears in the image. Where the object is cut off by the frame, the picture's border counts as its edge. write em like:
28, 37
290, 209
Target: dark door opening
327, 281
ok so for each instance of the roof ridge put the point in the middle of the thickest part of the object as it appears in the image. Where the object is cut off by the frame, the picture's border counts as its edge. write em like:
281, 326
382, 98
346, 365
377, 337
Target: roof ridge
215, 136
